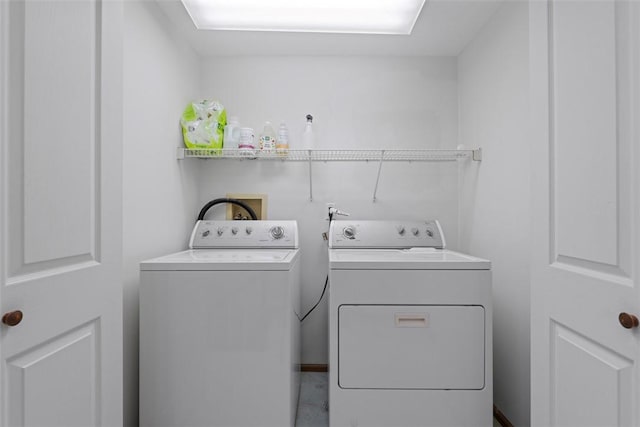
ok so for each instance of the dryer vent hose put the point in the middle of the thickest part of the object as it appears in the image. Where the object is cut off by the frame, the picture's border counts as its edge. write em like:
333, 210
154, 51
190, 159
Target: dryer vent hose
240, 203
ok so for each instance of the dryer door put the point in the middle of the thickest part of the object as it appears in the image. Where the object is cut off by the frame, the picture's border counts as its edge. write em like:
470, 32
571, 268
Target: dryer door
411, 347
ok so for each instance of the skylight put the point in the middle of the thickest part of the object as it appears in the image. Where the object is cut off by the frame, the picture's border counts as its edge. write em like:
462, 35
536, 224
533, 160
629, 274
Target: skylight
317, 16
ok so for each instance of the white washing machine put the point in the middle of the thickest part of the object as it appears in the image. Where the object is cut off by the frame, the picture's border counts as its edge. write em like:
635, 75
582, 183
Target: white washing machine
410, 331
219, 328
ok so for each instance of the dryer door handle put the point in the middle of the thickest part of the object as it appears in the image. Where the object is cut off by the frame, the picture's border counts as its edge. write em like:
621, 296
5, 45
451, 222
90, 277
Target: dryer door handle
412, 320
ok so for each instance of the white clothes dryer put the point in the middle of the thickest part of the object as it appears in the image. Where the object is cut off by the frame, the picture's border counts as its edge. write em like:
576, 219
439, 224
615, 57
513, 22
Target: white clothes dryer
219, 328
410, 331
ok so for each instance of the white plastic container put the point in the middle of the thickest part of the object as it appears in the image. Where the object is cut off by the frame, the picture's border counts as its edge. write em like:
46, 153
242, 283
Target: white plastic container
231, 138
307, 135
268, 139
246, 144
282, 141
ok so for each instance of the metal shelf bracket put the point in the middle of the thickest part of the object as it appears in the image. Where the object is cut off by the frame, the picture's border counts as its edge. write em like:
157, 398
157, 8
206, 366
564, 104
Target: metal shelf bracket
375, 190
310, 178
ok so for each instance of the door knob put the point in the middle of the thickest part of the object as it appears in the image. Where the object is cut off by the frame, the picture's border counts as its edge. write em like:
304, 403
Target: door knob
628, 320
12, 318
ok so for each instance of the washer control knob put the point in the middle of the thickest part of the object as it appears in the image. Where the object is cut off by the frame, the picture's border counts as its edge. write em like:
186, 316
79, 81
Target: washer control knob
234, 230
220, 230
277, 232
400, 229
248, 230
205, 233
429, 232
349, 232
415, 231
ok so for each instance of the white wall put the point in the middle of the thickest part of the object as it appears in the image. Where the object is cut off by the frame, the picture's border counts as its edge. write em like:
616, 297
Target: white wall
495, 220
161, 75
357, 103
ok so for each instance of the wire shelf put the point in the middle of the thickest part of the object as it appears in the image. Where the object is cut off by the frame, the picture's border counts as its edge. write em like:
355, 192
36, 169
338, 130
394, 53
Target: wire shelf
310, 156
425, 155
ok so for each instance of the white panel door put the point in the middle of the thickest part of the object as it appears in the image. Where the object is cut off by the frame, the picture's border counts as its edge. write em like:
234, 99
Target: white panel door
585, 81
60, 212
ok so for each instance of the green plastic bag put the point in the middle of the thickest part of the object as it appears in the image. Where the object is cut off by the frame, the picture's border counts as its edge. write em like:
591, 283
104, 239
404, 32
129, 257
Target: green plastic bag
203, 124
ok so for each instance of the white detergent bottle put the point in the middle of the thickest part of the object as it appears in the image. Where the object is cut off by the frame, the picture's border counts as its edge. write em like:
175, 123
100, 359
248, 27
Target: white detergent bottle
231, 138
268, 139
282, 141
307, 135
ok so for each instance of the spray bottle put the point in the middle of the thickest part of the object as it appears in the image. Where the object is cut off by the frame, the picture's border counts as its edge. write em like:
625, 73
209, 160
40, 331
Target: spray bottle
307, 135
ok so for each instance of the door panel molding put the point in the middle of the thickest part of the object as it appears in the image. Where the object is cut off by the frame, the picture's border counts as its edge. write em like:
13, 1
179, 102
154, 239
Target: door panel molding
36, 380
54, 190
590, 200
590, 269
601, 398
51, 269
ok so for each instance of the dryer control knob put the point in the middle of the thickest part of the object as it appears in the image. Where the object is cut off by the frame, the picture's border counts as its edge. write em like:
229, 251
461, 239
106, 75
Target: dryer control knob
400, 229
220, 231
277, 232
234, 230
248, 230
349, 232
415, 231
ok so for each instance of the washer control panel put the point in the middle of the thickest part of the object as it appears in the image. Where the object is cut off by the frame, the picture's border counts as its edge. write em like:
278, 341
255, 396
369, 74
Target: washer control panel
386, 234
244, 234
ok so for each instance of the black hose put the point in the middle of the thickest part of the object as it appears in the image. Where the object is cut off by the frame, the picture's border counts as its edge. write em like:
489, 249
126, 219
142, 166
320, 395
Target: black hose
240, 203
326, 282
319, 299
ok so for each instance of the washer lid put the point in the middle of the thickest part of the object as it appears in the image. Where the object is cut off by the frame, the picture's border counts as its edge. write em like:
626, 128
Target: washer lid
404, 259
224, 259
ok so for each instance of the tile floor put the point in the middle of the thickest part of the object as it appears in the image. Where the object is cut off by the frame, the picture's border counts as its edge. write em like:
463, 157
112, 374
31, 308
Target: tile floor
313, 404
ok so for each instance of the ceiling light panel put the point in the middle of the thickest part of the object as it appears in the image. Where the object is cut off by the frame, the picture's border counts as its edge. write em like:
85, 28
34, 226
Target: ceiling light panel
324, 16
